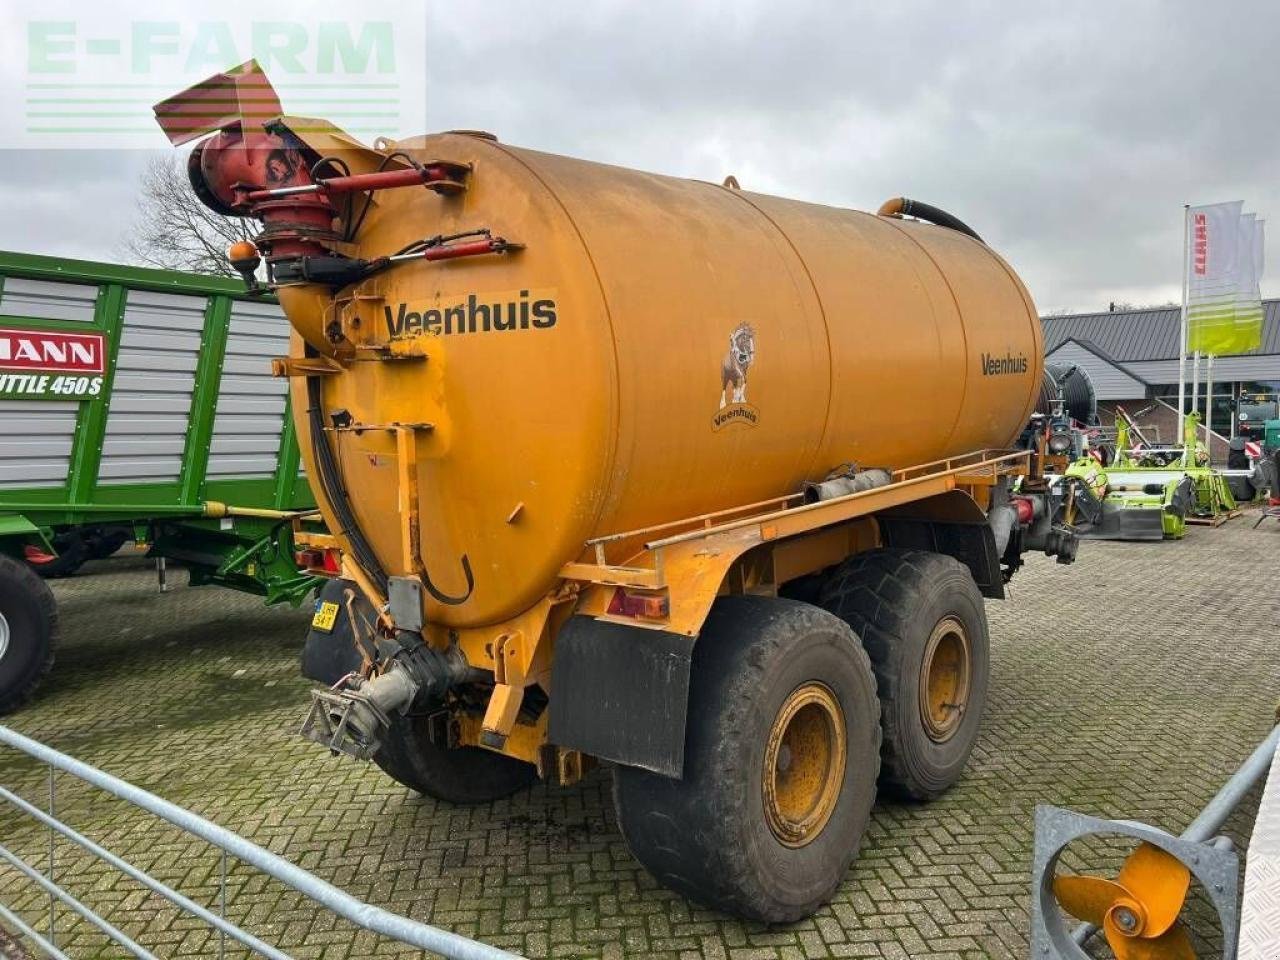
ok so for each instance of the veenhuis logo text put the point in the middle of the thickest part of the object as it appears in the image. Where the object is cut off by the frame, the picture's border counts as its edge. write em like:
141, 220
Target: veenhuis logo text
478, 313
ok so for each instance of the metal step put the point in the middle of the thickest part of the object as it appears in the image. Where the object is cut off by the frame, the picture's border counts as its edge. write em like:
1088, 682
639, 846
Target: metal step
1260, 906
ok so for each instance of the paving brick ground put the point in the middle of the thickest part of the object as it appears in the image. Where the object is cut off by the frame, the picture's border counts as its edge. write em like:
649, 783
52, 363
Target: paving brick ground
1130, 684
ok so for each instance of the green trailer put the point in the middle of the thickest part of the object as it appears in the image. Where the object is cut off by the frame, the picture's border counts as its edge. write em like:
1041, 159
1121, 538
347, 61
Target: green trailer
138, 404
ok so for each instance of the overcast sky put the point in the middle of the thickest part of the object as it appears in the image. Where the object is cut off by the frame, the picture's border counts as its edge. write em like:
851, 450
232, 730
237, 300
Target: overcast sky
1068, 135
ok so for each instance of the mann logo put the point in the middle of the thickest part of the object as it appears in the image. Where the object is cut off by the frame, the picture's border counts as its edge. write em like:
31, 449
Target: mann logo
52, 352
993, 366
51, 365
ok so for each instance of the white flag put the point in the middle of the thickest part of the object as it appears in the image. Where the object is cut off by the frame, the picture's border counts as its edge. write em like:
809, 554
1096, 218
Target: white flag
1224, 315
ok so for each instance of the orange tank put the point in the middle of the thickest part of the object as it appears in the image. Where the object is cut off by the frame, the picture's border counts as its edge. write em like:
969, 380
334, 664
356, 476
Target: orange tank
658, 348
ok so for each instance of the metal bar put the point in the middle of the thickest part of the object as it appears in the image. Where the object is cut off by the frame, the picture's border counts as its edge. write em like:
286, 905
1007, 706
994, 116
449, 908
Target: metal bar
1189, 446
91, 424
1182, 325
152, 884
1233, 791
837, 507
222, 908
53, 903
952, 466
358, 183
37, 267
759, 504
15, 921
115, 933
204, 399
84, 506
365, 915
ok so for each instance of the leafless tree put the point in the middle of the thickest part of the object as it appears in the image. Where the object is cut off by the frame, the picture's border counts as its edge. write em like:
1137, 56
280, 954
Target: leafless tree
174, 230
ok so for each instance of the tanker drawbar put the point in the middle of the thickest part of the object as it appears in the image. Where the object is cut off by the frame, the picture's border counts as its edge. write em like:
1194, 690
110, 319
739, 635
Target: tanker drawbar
622, 467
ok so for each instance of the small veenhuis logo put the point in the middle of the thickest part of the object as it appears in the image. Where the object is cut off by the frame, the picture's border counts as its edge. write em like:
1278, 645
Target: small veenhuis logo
993, 366
733, 380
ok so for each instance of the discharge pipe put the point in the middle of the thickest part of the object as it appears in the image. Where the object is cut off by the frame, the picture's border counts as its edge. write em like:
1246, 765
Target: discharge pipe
844, 483
361, 710
902, 207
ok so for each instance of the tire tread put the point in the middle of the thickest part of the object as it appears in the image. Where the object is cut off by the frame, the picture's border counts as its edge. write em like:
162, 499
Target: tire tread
677, 828
873, 592
17, 575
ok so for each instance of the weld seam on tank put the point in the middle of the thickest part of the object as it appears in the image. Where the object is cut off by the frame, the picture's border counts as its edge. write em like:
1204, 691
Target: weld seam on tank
964, 330
1037, 331
615, 393
822, 444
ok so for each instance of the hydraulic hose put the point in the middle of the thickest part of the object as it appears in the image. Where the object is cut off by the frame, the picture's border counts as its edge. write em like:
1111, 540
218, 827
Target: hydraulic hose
335, 491
902, 207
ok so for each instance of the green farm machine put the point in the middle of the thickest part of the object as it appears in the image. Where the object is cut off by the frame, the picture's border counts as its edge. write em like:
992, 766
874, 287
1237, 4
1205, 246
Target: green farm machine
139, 405
1153, 495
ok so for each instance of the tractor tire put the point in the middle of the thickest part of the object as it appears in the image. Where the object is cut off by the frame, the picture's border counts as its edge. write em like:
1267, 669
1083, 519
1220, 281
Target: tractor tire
466, 775
28, 632
921, 619
782, 750
463, 775
72, 552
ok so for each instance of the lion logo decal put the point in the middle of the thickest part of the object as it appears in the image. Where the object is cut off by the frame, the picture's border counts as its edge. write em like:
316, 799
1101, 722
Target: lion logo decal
734, 369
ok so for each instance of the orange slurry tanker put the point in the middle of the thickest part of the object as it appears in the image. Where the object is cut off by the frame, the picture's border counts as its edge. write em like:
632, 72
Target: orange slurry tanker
622, 467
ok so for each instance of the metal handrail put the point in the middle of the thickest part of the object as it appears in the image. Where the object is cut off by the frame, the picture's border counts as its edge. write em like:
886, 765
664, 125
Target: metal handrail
148, 881
375, 919
950, 467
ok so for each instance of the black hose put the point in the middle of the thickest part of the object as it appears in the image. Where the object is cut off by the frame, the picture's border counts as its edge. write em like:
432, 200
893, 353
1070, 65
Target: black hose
335, 491
1071, 383
330, 480
931, 214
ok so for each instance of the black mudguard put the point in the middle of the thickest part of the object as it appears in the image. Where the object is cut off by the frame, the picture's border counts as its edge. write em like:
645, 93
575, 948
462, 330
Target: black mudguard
623, 693
329, 655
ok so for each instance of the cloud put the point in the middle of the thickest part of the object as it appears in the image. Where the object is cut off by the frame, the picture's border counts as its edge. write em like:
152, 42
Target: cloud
1069, 136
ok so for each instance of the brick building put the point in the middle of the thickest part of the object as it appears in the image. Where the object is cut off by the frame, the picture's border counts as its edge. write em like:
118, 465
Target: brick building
1132, 358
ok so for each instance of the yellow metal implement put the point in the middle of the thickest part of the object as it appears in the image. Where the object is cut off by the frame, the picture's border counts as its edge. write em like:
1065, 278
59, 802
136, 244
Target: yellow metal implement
1138, 911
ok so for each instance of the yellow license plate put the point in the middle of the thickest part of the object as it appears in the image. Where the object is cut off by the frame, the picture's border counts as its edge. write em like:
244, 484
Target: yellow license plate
326, 614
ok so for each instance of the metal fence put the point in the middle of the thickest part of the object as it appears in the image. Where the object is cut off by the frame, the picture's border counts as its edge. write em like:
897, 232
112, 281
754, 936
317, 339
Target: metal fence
375, 919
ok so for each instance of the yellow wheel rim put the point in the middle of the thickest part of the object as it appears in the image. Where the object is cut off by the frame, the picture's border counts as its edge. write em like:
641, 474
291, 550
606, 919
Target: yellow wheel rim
804, 764
945, 677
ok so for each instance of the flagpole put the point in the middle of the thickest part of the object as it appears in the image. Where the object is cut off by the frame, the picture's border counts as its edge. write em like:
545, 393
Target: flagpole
1182, 336
1195, 382
1189, 453
1208, 406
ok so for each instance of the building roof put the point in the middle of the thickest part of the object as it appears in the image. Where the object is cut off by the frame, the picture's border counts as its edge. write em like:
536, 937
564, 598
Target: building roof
1127, 336
1098, 352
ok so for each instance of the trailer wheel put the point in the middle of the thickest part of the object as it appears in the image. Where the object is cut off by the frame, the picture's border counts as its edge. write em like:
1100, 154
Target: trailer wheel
921, 620
28, 632
780, 765
465, 775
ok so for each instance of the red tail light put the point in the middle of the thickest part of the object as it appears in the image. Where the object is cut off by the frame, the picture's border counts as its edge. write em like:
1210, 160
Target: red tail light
1025, 508
643, 606
321, 562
